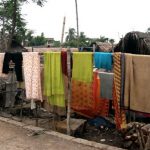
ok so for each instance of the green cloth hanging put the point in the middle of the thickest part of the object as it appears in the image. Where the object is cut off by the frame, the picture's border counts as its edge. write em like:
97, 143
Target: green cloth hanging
53, 79
82, 66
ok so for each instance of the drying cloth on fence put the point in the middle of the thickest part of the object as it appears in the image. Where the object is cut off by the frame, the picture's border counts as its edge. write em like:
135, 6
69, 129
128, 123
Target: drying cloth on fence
122, 79
103, 60
17, 59
82, 66
53, 79
82, 100
64, 62
101, 104
31, 62
137, 87
120, 117
1, 64
86, 100
106, 80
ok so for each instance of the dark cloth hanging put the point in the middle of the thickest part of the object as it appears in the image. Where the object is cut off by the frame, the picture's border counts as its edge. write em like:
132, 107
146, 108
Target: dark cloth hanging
64, 62
17, 59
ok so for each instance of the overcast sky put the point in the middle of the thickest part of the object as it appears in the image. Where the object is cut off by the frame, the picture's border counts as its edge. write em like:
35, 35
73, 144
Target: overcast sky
110, 18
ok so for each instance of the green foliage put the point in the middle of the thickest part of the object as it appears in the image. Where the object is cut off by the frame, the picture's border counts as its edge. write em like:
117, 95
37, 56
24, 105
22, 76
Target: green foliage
72, 41
38, 40
57, 43
11, 20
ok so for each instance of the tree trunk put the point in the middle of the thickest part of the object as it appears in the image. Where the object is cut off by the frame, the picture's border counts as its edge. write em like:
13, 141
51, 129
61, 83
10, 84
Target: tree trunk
14, 16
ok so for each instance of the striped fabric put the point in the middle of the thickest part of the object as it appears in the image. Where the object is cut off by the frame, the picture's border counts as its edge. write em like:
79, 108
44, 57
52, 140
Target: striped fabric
120, 117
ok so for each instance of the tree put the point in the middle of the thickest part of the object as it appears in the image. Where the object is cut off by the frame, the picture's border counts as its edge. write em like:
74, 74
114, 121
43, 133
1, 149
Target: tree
57, 44
83, 40
71, 35
38, 40
12, 23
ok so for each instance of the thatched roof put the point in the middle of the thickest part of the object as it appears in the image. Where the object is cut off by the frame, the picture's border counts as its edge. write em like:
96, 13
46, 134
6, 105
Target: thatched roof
134, 42
105, 46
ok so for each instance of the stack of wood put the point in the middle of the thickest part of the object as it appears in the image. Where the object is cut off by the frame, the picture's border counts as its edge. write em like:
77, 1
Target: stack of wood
137, 135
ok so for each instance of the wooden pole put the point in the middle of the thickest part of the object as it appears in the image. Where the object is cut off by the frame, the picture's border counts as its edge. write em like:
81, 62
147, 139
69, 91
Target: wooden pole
69, 90
77, 20
94, 47
63, 29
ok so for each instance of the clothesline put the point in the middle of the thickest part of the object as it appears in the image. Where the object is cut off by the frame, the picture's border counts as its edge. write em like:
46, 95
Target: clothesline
52, 63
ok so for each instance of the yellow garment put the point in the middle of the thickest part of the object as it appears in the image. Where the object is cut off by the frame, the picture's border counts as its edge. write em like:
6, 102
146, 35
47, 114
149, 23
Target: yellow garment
82, 66
53, 79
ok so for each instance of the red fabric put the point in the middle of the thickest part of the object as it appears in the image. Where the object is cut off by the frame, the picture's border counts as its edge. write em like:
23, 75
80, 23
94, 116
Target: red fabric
64, 62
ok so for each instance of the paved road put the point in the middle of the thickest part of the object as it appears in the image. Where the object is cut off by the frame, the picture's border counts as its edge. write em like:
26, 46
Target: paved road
17, 138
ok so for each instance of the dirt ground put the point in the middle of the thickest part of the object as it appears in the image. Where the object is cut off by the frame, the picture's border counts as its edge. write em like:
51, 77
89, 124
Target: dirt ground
109, 136
15, 138
105, 136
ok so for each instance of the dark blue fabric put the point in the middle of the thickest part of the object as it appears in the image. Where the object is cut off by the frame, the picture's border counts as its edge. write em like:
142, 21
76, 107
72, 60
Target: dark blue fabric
100, 121
103, 60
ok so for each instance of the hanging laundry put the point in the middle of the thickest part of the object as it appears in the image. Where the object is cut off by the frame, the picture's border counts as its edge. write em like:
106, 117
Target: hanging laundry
106, 80
1, 64
31, 63
103, 60
101, 104
120, 117
86, 99
17, 59
122, 80
82, 98
82, 66
53, 79
137, 87
64, 62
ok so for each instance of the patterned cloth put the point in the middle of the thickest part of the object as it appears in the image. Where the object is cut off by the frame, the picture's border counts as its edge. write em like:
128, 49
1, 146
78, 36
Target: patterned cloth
82, 96
31, 63
86, 98
120, 117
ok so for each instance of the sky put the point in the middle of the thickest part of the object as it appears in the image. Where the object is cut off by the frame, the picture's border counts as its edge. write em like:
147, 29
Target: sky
109, 18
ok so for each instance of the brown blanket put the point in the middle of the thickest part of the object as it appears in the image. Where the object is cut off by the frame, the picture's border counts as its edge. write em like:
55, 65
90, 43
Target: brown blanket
137, 87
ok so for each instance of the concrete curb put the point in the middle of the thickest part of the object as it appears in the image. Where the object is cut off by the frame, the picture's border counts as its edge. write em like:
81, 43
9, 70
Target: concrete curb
60, 135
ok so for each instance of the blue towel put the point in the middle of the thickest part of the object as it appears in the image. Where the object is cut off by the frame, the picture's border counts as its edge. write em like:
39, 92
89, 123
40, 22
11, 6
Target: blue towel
103, 60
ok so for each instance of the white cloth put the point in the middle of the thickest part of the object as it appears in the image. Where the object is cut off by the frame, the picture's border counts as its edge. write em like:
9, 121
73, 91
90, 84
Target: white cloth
31, 65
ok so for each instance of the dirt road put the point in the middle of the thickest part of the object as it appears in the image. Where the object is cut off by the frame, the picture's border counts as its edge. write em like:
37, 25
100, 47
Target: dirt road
16, 138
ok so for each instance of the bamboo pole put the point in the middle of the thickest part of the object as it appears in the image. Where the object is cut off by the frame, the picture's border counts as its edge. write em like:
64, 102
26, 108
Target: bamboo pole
63, 29
77, 20
69, 90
